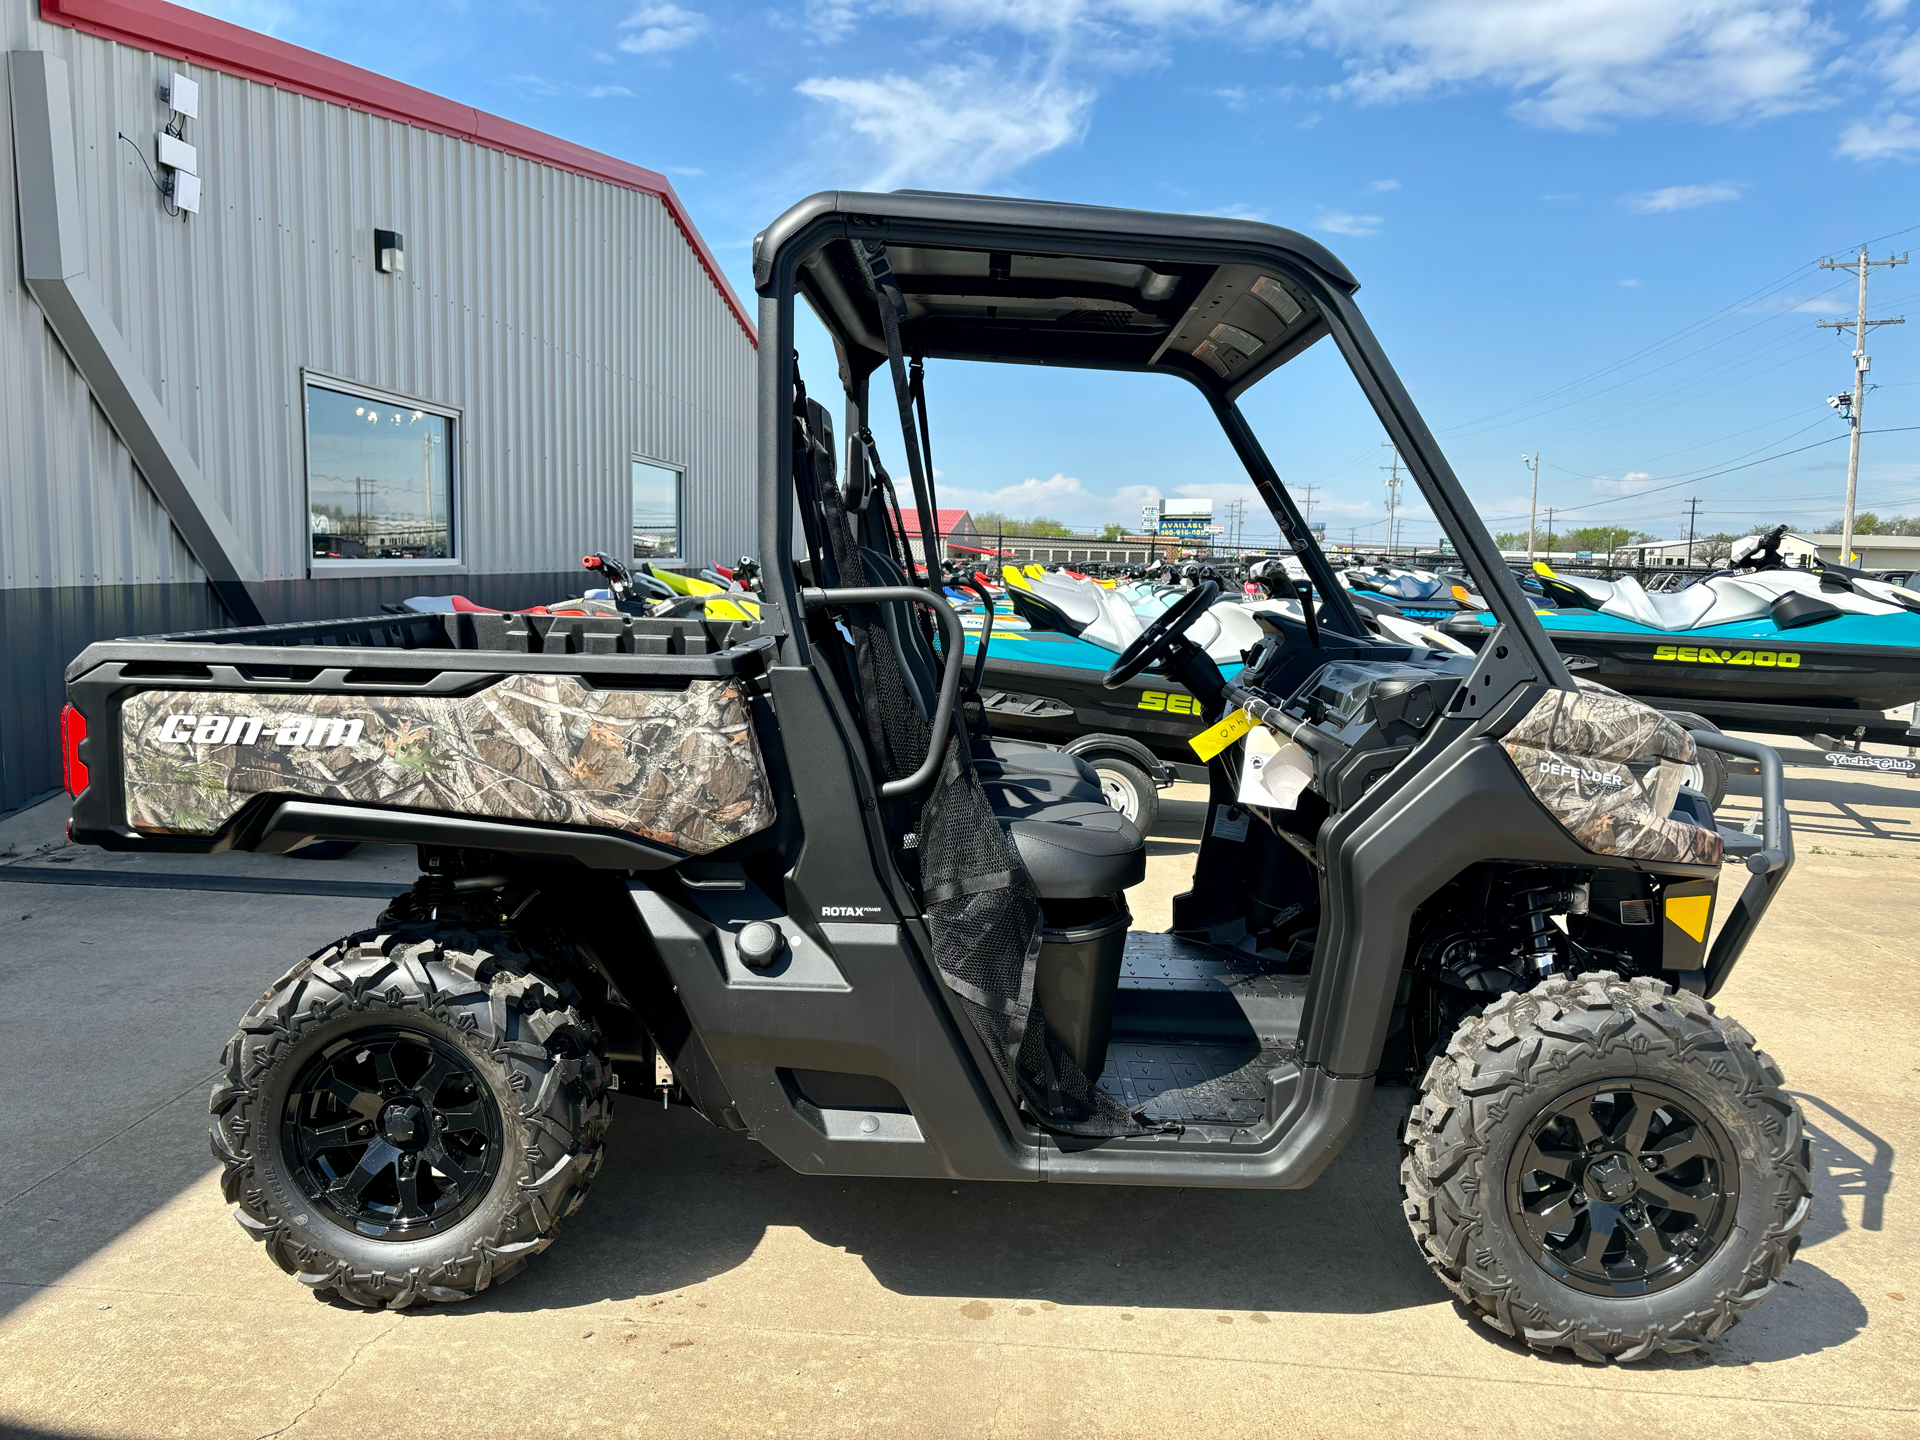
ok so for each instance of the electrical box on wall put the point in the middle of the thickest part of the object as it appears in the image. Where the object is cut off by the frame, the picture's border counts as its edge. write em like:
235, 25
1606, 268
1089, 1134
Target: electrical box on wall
183, 96
390, 252
186, 192
174, 153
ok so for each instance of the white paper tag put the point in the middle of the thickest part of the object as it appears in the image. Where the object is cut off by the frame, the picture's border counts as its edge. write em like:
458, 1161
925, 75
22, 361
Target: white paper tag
1256, 751
1274, 772
1230, 823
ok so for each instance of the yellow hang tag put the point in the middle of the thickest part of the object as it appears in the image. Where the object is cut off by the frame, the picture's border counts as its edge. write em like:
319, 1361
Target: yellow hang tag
1219, 736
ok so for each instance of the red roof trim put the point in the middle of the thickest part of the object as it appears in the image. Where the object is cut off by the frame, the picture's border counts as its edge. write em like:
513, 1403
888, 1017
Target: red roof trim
947, 520
201, 40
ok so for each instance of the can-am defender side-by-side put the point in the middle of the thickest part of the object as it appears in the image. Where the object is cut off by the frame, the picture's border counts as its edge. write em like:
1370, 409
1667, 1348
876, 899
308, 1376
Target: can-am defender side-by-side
780, 872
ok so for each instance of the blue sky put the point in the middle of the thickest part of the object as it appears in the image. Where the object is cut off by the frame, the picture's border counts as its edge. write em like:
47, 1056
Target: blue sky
1587, 228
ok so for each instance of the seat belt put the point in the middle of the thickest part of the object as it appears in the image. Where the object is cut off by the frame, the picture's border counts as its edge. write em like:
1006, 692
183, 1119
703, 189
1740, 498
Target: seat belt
911, 397
872, 255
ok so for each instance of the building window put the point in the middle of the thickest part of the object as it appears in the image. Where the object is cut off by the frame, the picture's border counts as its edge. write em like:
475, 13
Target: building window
381, 477
657, 510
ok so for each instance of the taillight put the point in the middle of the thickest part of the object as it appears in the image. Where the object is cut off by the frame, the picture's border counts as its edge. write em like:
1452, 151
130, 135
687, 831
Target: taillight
73, 730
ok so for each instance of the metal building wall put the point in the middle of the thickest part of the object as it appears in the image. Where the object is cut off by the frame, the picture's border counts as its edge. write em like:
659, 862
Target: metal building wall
567, 318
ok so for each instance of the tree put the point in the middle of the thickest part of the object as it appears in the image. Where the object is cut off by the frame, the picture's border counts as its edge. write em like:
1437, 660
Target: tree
991, 522
1601, 539
1713, 549
1113, 530
1866, 522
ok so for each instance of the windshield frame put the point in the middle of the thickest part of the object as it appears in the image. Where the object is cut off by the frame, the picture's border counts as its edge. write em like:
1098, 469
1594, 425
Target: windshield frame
936, 221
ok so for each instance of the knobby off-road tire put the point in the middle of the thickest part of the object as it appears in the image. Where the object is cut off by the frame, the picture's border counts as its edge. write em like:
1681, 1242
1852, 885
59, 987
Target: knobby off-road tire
528, 1076
1524, 1063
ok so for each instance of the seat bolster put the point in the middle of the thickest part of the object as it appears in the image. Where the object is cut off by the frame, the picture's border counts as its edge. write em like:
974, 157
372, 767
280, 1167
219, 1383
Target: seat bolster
1080, 850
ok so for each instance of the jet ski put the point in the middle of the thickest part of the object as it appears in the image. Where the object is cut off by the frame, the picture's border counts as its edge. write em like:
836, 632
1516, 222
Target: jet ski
1043, 681
1417, 594
645, 590
1760, 645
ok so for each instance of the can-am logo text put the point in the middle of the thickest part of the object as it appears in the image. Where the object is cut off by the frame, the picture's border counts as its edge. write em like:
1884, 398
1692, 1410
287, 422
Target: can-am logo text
246, 730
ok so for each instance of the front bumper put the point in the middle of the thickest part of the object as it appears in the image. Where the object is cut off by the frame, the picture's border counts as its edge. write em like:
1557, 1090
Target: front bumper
1767, 866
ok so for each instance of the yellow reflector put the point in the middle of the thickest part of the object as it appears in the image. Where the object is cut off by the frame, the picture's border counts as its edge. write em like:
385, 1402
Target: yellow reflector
1690, 913
1219, 736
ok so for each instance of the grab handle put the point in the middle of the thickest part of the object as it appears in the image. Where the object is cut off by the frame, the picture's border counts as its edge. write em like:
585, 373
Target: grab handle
954, 643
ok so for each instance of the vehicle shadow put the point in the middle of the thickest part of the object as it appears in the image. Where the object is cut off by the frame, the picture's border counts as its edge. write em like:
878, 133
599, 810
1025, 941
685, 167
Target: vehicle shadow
1850, 1161
679, 1202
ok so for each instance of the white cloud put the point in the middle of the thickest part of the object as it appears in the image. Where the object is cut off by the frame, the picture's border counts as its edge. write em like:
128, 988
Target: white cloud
661, 27
1631, 482
1060, 497
1891, 135
541, 86
1578, 65
1385, 185
1237, 212
691, 172
1339, 222
1683, 197
1572, 65
958, 125
1629, 284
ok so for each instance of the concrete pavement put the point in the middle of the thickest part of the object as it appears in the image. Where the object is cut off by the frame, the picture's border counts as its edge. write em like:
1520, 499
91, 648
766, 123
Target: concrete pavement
705, 1289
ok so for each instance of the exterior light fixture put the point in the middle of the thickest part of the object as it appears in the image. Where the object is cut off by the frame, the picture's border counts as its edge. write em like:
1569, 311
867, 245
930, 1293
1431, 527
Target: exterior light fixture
390, 252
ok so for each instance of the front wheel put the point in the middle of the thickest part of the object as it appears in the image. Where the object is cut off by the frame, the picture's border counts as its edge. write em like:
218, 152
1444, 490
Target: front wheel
409, 1115
1606, 1166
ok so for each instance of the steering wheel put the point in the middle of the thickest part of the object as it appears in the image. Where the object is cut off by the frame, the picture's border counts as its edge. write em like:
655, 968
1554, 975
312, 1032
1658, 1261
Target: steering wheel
1153, 645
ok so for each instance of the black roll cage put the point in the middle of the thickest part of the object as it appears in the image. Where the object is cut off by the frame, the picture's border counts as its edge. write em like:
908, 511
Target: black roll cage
1179, 242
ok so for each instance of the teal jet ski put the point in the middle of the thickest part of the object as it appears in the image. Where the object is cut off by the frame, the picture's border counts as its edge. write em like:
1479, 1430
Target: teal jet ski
1760, 646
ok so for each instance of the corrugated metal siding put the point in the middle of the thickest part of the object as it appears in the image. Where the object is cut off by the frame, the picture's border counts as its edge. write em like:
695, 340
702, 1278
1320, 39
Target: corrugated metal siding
567, 318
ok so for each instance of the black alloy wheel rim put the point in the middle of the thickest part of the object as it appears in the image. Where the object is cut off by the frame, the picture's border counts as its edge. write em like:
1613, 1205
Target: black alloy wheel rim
1623, 1187
392, 1133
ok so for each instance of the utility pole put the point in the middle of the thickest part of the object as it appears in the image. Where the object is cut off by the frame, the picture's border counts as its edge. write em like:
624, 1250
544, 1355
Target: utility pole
1850, 405
1393, 473
1533, 463
1307, 506
1234, 509
1550, 531
1693, 507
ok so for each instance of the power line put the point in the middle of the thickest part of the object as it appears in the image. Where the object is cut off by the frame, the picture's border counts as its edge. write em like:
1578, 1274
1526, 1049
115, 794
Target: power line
1772, 287
1691, 479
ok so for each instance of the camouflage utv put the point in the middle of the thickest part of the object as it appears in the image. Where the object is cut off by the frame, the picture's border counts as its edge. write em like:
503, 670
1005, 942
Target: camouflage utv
781, 873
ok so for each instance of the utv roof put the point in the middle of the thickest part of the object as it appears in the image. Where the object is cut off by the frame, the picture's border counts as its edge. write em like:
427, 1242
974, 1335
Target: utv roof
987, 278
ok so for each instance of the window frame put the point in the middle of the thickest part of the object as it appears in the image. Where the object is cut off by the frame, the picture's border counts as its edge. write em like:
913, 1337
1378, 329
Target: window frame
679, 557
456, 418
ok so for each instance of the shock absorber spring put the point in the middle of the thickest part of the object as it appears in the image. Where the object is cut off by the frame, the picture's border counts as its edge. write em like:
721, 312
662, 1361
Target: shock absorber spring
1535, 907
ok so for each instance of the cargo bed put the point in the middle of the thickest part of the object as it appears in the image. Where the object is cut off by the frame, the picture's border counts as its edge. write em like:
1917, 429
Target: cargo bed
625, 742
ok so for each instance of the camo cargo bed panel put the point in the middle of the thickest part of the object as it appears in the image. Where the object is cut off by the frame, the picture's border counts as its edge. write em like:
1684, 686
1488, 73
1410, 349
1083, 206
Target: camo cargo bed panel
677, 767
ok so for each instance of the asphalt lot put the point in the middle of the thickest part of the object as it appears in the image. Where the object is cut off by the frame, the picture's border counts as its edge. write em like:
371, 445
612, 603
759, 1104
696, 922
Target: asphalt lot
705, 1289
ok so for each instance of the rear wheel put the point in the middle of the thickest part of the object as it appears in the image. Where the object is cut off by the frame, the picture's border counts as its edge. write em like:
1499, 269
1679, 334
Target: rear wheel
1606, 1166
409, 1115
1129, 790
